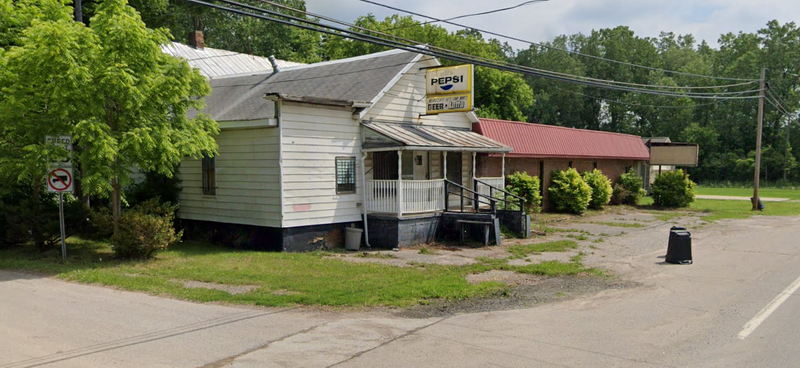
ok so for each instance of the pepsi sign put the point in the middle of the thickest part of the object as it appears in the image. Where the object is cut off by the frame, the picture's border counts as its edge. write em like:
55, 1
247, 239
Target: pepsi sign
449, 79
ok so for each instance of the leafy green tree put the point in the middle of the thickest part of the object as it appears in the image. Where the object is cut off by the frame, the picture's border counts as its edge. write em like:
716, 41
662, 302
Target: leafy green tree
140, 101
673, 189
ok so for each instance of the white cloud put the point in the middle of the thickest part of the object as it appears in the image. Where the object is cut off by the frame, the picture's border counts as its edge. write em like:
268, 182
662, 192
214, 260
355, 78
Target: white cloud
705, 19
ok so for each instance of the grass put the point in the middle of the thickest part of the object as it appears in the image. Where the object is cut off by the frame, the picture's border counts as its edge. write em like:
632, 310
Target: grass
522, 251
426, 250
281, 278
748, 192
715, 209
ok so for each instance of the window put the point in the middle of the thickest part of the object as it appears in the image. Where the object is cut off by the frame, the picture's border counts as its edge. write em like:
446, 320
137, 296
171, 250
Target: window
345, 175
209, 175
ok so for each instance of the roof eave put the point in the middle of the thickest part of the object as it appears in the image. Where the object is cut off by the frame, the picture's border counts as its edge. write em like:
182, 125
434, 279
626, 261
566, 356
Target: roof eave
316, 100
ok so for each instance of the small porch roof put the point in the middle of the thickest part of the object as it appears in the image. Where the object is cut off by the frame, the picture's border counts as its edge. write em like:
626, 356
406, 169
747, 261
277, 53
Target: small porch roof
405, 136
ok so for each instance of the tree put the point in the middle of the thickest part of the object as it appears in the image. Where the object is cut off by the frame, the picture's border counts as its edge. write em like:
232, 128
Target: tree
140, 101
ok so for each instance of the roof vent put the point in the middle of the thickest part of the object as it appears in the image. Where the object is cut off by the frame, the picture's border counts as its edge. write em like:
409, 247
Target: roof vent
274, 62
197, 40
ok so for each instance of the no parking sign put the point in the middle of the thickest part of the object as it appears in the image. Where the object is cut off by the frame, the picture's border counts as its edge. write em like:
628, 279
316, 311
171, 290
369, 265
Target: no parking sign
60, 180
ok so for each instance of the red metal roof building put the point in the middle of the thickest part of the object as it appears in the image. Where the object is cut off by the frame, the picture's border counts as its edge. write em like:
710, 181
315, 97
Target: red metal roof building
550, 141
540, 149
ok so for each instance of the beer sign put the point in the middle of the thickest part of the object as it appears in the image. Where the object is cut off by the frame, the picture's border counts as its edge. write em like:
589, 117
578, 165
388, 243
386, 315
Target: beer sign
449, 89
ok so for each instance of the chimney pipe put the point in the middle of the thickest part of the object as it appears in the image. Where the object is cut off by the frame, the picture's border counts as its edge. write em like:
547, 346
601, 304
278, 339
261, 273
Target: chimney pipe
274, 62
197, 40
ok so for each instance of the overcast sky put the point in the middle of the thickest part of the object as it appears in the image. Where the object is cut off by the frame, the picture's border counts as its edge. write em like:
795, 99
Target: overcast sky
706, 19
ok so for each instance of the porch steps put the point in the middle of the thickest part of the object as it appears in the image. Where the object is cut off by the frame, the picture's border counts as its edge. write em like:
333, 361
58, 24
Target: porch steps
451, 227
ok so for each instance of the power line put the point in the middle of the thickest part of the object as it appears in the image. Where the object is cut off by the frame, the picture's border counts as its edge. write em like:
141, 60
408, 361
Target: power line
334, 20
619, 102
553, 47
485, 12
347, 24
447, 54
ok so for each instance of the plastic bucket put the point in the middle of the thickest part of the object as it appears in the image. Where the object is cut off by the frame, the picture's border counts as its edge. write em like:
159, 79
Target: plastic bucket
352, 239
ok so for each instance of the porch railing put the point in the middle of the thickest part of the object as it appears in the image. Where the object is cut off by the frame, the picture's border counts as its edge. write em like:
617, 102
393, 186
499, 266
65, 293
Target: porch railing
418, 196
494, 182
382, 196
423, 196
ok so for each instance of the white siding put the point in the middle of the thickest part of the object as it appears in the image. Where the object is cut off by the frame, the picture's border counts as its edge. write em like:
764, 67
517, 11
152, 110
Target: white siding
247, 176
405, 102
312, 136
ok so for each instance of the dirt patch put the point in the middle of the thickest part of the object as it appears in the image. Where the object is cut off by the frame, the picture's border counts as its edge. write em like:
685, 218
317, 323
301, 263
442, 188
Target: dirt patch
285, 292
543, 291
230, 289
508, 277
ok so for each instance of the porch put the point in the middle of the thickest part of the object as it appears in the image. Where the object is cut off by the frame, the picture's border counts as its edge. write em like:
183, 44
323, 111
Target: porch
417, 179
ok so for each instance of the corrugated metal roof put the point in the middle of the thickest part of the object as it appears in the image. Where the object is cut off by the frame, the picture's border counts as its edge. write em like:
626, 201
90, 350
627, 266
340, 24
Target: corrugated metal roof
355, 80
214, 63
543, 141
428, 137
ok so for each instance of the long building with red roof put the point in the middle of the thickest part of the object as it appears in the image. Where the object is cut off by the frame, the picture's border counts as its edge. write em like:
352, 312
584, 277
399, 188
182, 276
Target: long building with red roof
538, 149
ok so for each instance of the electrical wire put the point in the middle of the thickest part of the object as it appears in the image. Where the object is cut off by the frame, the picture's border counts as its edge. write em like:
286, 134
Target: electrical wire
334, 20
619, 102
421, 49
484, 12
553, 47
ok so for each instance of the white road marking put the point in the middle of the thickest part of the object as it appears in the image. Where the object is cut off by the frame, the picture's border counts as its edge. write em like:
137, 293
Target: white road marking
756, 321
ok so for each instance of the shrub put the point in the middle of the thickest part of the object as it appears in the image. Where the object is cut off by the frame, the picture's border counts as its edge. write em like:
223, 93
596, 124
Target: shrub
673, 189
145, 230
527, 187
601, 188
568, 191
628, 190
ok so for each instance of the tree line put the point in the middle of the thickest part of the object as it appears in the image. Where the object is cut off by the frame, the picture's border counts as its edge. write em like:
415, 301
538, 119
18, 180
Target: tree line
725, 129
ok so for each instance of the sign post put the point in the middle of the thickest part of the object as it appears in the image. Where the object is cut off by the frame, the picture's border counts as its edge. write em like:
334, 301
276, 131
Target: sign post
60, 180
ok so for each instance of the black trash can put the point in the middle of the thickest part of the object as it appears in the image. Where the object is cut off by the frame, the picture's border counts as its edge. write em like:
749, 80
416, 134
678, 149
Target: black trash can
679, 249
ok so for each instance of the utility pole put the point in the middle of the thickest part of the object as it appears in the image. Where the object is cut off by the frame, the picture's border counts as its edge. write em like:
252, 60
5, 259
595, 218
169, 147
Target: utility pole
757, 173
78, 10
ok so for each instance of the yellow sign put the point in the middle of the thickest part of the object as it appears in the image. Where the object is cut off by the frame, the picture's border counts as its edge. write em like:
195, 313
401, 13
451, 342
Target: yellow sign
448, 79
449, 89
449, 103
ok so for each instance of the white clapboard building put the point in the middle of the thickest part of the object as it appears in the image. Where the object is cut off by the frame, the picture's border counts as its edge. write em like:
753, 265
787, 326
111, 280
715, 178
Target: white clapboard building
307, 150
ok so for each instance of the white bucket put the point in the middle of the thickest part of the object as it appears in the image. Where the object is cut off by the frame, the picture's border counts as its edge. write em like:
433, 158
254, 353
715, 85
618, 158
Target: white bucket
352, 239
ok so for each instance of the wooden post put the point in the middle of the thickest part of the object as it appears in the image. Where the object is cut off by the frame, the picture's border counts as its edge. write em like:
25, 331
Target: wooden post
444, 165
474, 174
399, 194
503, 169
757, 171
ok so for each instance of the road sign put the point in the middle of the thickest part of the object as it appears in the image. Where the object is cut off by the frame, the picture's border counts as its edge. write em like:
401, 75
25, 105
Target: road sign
63, 141
60, 180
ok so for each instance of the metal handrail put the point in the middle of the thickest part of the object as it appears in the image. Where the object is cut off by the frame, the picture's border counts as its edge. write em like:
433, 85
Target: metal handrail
521, 203
476, 196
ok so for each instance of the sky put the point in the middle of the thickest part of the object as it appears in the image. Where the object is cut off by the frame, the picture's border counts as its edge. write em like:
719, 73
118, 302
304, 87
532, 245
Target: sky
541, 21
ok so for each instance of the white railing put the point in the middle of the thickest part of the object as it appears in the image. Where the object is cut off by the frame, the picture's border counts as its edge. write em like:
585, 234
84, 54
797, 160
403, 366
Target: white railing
418, 196
382, 196
423, 195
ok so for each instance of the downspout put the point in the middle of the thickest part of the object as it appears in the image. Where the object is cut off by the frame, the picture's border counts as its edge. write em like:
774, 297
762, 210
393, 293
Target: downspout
364, 189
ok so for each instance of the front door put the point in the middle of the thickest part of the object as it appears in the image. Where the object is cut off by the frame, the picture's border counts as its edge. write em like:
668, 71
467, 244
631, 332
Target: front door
454, 167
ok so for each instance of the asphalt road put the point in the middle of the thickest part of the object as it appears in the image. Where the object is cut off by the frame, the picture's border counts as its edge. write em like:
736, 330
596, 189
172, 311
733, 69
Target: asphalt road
692, 315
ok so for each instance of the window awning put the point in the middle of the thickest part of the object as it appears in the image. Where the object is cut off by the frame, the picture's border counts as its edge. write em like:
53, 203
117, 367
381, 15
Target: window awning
402, 136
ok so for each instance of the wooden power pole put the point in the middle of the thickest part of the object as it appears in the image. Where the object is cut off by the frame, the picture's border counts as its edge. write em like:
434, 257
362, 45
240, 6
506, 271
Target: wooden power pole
757, 173
78, 10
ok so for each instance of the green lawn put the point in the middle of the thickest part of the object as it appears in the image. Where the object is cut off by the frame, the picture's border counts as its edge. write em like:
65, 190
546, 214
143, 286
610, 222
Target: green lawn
726, 209
748, 192
521, 251
279, 278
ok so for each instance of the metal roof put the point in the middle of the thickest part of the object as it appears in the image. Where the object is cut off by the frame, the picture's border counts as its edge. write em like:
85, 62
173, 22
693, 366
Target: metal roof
549, 141
421, 137
348, 82
214, 63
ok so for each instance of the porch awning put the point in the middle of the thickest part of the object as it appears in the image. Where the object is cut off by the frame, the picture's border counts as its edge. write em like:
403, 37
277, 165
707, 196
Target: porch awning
401, 136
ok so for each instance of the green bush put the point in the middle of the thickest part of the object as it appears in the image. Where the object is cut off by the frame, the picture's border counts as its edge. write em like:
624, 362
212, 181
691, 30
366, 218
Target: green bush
527, 187
601, 188
145, 230
568, 191
673, 189
629, 189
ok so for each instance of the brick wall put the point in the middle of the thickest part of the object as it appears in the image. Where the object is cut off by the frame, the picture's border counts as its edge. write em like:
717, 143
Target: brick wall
491, 166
